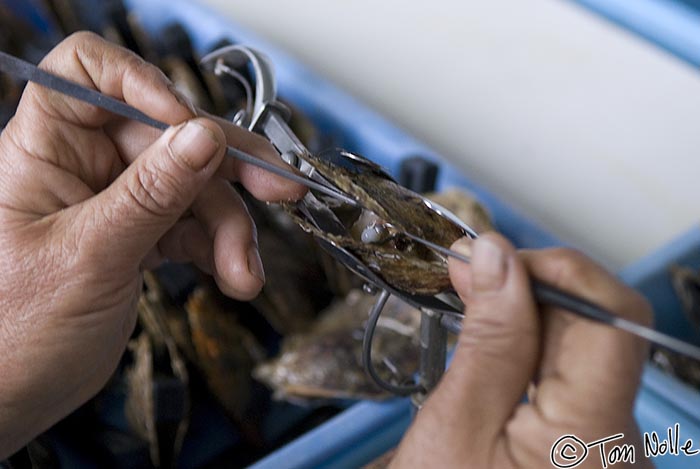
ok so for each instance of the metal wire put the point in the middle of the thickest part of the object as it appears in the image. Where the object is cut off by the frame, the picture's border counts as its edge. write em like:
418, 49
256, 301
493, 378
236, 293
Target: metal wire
374, 314
552, 296
22, 69
222, 67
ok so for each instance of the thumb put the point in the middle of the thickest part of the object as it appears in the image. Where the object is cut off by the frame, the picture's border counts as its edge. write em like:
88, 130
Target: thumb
497, 350
156, 189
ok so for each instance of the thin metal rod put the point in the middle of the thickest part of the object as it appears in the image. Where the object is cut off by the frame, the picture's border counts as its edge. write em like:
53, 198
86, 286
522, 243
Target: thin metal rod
543, 293
399, 390
546, 294
286, 174
451, 324
27, 71
436, 247
433, 350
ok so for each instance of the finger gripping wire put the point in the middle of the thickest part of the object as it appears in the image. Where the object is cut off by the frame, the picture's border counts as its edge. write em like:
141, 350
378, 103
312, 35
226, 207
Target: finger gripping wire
367, 351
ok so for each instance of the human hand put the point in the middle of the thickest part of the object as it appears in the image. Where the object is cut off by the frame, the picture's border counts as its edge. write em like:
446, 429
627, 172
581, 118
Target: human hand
582, 376
87, 200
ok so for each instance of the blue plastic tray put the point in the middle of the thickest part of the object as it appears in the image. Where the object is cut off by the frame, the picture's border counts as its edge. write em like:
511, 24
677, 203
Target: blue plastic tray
673, 25
366, 429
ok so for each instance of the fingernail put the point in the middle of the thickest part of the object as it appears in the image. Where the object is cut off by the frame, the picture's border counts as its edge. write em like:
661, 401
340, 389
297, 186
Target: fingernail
488, 266
255, 263
182, 99
194, 144
463, 246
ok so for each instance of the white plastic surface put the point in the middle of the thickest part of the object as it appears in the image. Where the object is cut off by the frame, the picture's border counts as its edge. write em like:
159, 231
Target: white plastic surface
592, 132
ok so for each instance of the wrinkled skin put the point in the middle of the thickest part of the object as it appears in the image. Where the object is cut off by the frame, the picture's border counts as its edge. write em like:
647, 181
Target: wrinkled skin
87, 201
583, 376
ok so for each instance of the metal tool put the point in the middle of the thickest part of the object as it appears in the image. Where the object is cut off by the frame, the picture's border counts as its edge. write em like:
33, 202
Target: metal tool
24, 70
439, 314
546, 294
267, 116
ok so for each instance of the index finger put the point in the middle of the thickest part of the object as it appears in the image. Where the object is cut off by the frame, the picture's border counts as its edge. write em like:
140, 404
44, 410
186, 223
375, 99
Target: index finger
87, 59
587, 365
132, 138
263, 184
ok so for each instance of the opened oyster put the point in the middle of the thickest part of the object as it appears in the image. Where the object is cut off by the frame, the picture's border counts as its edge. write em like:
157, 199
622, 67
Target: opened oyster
375, 231
465, 206
326, 362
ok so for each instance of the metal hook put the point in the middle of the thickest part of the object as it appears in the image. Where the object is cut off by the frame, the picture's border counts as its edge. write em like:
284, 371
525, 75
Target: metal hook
265, 83
374, 314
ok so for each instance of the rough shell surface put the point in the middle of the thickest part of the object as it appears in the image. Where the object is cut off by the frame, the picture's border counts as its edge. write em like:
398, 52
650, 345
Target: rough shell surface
326, 362
401, 262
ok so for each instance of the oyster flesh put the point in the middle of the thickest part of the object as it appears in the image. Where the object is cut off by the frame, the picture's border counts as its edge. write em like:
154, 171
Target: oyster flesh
375, 232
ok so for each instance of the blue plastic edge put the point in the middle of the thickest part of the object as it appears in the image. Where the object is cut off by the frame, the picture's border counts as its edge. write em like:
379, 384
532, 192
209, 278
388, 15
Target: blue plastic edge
32, 12
650, 275
663, 401
367, 429
671, 25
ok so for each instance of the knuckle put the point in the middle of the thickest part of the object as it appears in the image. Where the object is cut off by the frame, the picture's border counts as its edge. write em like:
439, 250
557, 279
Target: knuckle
131, 62
639, 308
84, 46
485, 328
575, 268
571, 265
137, 70
492, 336
155, 191
130, 65
135, 66
81, 38
84, 36
248, 225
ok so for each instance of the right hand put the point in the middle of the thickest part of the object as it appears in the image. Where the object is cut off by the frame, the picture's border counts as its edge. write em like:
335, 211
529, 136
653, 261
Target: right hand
582, 375
87, 201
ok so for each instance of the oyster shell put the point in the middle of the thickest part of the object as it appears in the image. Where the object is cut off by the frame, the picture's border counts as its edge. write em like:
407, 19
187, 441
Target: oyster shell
326, 362
686, 284
158, 402
333, 346
296, 285
465, 206
225, 352
400, 261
